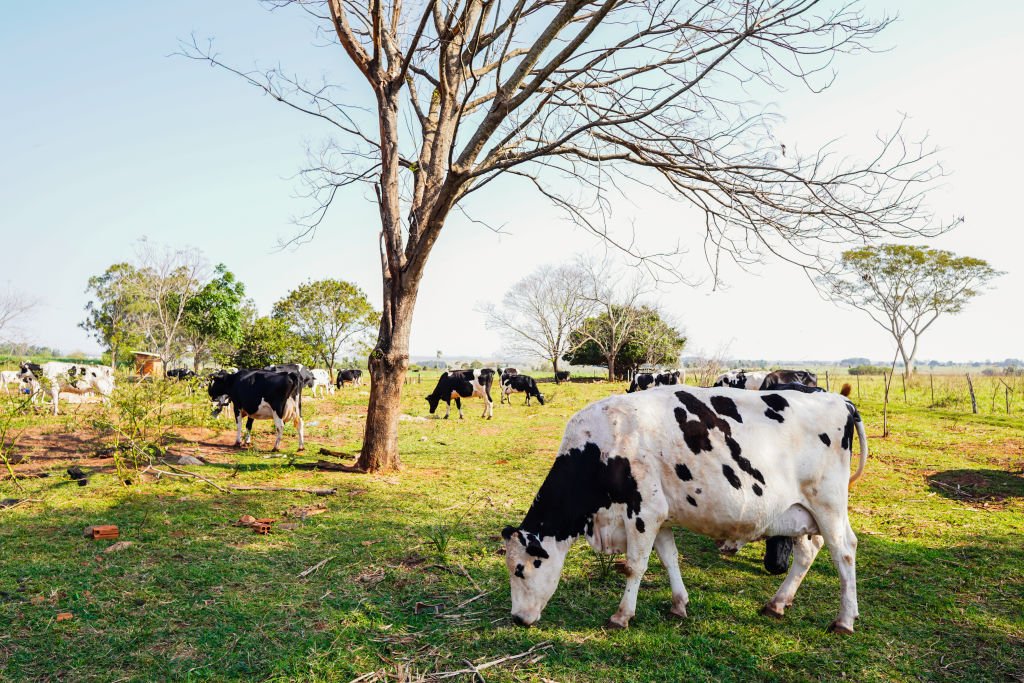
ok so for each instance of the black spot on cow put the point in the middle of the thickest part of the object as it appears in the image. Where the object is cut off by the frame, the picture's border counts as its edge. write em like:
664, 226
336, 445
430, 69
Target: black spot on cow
731, 476
757, 490
724, 405
519, 571
772, 415
683, 472
640, 526
777, 551
742, 462
824, 439
775, 402
577, 486
698, 491
537, 563
535, 549
691, 501
697, 432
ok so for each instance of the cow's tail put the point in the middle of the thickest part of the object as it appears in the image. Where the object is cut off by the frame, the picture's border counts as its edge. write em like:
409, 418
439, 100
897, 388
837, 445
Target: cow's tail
862, 437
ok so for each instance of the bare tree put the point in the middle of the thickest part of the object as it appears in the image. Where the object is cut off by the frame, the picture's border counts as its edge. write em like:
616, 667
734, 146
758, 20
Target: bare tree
14, 306
607, 92
538, 313
170, 279
904, 288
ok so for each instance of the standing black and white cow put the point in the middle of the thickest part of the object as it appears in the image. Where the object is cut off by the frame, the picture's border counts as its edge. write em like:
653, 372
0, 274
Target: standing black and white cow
504, 374
180, 374
561, 376
741, 379
353, 376
520, 383
322, 381
260, 395
56, 377
641, 382
460, 384
715, 461
670, 378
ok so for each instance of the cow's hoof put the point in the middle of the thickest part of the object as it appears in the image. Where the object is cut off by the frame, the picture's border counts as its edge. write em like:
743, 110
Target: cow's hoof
613, 625
770, 610
677, 612
836, 627
300, 449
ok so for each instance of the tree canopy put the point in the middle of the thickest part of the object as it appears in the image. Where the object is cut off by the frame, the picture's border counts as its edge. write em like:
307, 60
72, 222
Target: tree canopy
269, 341
905, 288
650, 340
215, 318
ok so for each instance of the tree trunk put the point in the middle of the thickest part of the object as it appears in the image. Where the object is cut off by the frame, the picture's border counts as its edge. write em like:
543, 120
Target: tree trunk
554, 366
908, 362
611, 368
387, 367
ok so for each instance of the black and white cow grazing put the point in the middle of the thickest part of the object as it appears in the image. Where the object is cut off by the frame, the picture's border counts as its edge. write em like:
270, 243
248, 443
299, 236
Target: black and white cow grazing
669, 378
353, 376
775, 379
520, 383
261, 395
641, 381
561, 376
56, 377
180, 374
741, 379
709, 460
460, 384
299, 369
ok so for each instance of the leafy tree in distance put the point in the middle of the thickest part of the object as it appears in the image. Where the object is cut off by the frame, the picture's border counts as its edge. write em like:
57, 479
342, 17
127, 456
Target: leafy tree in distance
648, 340
116, 315
328, 316
905, 288
215, 318
269, 341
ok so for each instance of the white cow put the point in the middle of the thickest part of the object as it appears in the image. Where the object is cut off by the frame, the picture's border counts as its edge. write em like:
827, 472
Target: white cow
322, 381
730, 464
10, 377
72, 378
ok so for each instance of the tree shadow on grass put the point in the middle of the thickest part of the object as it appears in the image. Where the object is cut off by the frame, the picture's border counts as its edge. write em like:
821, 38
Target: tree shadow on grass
978, 486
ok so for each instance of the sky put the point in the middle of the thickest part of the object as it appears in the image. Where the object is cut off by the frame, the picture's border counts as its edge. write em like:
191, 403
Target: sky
108, 138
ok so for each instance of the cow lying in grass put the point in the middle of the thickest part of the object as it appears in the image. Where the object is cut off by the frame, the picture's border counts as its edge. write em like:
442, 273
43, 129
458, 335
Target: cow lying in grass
718, 462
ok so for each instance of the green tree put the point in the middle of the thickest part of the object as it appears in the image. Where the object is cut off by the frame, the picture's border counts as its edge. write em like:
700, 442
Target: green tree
328, 316
116, 316
215, 318
649, 339
905, 288
269, 341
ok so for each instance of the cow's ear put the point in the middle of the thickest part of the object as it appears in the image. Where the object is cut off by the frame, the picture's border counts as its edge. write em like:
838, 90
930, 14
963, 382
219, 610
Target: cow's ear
507, 532
535, 549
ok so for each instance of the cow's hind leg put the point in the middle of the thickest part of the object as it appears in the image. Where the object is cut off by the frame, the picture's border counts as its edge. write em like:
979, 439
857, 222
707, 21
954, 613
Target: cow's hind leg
805, 549
665, 545
638, 553
279, 429
458, 404
842, 545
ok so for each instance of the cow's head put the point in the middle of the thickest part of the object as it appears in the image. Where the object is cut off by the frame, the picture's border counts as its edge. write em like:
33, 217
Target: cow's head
540, 397
220, 385
433, 400
534, 568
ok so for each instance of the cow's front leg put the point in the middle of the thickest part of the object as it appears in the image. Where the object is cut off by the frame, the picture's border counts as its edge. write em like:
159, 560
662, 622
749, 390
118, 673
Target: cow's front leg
238, 424
804, 551
248, 431
447, 408
638, 553
300, 426
665, 545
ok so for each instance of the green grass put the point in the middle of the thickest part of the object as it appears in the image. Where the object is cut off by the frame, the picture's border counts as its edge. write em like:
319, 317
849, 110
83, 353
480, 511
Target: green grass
940, 516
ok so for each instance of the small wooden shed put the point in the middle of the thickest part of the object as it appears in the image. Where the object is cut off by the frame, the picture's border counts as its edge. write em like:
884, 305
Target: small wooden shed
149, 364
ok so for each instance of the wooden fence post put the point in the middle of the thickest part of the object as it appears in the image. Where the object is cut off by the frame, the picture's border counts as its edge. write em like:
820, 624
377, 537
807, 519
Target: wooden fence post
931, 381
974, 401
858, 388
1007, 400
903, 378
828, 387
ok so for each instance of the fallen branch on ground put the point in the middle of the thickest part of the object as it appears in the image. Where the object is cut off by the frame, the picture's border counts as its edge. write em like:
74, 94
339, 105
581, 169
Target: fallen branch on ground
183, 473
310, 570
330, 466
487, 665
316, 492
336, 454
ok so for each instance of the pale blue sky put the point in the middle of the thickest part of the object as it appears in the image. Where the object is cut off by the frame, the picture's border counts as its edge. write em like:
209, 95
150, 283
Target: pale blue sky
106, 139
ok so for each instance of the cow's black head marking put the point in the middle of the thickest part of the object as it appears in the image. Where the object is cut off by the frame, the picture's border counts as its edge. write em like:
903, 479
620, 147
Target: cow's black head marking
519, 571
537, 564
577, 486
640, 526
